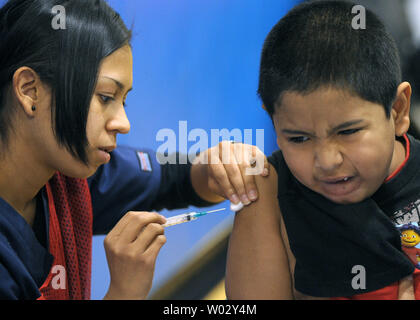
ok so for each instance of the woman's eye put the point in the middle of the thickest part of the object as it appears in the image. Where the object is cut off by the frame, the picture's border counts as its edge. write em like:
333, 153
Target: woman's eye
298, 139
349, 131
106, 99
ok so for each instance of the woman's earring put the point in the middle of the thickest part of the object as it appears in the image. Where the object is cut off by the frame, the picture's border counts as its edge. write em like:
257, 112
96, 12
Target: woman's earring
33, 108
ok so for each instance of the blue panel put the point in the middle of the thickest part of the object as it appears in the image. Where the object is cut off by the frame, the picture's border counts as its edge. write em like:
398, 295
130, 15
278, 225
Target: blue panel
194, 61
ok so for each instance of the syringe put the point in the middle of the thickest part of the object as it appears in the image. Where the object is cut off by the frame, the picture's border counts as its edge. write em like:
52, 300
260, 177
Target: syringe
185, 217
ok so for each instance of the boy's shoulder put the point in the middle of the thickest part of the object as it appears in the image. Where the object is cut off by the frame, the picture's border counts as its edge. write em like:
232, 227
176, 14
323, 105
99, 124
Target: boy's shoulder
285, 177
414, 143
277, 161
412, 161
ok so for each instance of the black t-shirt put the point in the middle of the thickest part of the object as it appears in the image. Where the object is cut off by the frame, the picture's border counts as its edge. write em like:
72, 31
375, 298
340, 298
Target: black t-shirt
333, 242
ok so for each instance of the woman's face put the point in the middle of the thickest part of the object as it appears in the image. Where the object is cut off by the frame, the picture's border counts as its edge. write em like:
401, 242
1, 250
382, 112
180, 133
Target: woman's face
106, 118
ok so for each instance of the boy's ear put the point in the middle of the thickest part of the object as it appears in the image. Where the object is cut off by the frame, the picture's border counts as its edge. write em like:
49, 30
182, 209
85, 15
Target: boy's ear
263, 106
401, 109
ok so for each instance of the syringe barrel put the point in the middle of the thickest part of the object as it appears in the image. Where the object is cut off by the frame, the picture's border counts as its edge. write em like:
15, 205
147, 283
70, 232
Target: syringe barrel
179, 219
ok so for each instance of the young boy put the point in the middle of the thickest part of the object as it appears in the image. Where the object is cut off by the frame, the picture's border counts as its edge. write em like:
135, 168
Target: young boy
347, 172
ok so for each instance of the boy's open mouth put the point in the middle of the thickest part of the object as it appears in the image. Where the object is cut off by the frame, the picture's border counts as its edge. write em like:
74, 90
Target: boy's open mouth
340, 186
337, 180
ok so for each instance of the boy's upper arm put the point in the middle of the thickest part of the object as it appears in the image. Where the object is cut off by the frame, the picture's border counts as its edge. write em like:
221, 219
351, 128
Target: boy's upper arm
257, 254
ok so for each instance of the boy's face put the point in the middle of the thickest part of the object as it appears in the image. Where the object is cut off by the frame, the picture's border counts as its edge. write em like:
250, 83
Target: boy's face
337, 144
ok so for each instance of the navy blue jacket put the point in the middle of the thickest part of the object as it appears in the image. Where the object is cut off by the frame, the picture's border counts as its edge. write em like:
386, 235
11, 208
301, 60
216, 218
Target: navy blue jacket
132, 181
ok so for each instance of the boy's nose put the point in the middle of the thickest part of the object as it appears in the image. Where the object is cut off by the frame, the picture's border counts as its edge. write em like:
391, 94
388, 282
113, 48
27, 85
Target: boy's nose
328, 157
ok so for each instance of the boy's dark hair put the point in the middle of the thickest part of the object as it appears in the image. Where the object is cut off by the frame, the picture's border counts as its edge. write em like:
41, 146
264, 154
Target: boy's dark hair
315, 45
66, 60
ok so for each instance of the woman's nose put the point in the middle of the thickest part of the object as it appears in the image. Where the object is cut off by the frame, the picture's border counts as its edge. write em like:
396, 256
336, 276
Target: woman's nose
119, 122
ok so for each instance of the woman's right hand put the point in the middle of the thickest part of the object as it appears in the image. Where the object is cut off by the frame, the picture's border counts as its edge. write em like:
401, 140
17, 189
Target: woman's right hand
131, 249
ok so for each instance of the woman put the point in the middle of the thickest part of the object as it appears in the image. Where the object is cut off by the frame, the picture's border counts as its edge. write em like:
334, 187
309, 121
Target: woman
62, 176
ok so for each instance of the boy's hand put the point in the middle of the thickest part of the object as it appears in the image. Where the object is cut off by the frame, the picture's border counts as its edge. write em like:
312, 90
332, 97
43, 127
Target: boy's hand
131, 249
228, 171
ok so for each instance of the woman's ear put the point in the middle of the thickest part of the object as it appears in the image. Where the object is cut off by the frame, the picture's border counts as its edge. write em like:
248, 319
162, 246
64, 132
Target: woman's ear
26, 89
401, 109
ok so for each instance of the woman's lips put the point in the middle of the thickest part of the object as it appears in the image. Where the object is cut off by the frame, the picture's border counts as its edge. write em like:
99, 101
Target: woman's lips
104, 156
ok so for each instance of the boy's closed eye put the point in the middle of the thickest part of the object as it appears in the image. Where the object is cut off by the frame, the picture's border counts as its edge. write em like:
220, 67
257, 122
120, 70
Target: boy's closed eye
302, 139
349, 131
297, 140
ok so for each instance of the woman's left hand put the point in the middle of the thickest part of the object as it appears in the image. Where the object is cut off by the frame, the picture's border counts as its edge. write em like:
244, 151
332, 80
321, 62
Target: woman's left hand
227, 171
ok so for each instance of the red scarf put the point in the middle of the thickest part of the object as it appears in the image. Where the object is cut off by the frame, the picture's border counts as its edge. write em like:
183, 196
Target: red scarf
70, 239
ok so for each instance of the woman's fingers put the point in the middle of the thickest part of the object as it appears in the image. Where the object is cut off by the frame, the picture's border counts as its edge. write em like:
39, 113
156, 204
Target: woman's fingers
153, 250
232, 171
147, 236
217, 172
131, 225
131, 249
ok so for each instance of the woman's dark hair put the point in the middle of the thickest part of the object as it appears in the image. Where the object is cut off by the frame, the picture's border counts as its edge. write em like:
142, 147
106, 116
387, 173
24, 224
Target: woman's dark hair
316, 45
67, 60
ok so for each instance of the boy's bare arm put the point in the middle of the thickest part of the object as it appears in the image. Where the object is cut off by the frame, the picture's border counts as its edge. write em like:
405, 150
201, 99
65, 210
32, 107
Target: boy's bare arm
257, 264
